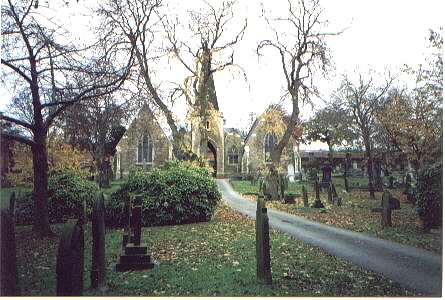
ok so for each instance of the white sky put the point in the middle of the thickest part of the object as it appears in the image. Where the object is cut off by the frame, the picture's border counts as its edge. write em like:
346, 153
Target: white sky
381, 34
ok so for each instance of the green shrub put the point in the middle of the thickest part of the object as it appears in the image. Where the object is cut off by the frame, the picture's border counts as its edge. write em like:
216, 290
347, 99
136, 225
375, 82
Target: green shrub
429, 196
66, 194
177, 193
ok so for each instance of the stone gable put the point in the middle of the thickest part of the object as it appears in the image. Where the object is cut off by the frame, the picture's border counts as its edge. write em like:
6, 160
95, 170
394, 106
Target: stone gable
254, 146
159, 147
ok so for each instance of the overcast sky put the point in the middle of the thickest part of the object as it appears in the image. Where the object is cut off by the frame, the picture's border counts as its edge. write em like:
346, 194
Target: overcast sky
380, 34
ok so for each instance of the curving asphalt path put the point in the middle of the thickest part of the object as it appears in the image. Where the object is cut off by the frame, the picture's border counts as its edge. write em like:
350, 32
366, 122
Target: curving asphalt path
412, 267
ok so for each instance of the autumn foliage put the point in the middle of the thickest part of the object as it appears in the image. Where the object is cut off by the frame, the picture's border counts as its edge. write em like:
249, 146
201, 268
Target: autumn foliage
61, 157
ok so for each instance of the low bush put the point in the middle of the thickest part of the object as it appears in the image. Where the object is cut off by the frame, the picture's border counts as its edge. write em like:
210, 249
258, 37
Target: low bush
429, 196
66, 194
177, 193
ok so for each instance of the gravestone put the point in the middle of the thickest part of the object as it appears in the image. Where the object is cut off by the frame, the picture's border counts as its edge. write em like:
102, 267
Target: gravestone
135, 255
70, 260
346, 184
8, 267
317, 203
326, 179
344, 195
98, 272
386, 209
264, 275
289, 198
258, 231
305, 198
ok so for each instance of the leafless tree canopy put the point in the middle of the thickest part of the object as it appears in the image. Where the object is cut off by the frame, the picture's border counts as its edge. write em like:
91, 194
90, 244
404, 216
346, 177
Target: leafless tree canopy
300, 42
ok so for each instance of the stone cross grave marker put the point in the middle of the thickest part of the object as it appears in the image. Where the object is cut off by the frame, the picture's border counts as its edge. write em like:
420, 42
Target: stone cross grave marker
98, 271
8, 267
135, 255
317, 203
70, 260
388, 204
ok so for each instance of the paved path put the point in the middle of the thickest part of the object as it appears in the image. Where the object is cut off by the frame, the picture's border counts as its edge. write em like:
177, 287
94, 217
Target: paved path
412, 267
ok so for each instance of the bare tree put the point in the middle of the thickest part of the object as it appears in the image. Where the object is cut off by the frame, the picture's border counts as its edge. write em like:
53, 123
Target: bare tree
363, 100
302, 50
44, 70
135, 25
207, 50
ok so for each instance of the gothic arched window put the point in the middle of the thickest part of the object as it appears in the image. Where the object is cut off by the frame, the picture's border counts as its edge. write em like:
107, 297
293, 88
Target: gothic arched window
270, 143
233, 156
145, 149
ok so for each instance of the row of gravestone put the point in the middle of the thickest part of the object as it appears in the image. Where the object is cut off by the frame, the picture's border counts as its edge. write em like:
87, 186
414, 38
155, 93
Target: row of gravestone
70, 254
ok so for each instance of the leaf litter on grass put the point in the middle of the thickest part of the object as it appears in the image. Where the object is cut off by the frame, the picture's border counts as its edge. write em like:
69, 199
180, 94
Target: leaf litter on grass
208, 259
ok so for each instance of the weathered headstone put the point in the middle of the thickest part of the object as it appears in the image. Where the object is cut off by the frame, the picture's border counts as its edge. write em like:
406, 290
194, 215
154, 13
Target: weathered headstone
98, 271
258, 231
8, 267
70, 260
289, 198
317, 203
264, 275
386, 209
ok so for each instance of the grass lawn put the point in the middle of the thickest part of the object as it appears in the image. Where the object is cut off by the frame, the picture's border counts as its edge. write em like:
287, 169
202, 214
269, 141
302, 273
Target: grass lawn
6, 193
215, 258
356, 215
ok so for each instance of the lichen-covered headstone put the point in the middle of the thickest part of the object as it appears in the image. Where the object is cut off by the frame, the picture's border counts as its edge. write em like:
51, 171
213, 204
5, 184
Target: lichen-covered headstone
70, 260
8, 267
98, 247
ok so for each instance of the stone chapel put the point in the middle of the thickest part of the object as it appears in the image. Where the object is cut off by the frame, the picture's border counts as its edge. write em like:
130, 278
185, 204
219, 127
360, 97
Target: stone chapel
145, 145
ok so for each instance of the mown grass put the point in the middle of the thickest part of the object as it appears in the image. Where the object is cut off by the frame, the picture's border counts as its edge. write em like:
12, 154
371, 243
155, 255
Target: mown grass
355, 214
215, 258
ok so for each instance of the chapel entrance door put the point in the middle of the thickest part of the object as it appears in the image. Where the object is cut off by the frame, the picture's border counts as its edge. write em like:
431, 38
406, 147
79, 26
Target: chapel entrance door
211, 157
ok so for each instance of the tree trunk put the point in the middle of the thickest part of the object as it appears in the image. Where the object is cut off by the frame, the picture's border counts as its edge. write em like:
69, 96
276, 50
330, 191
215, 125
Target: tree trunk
370, 169
102, 173
40, 225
